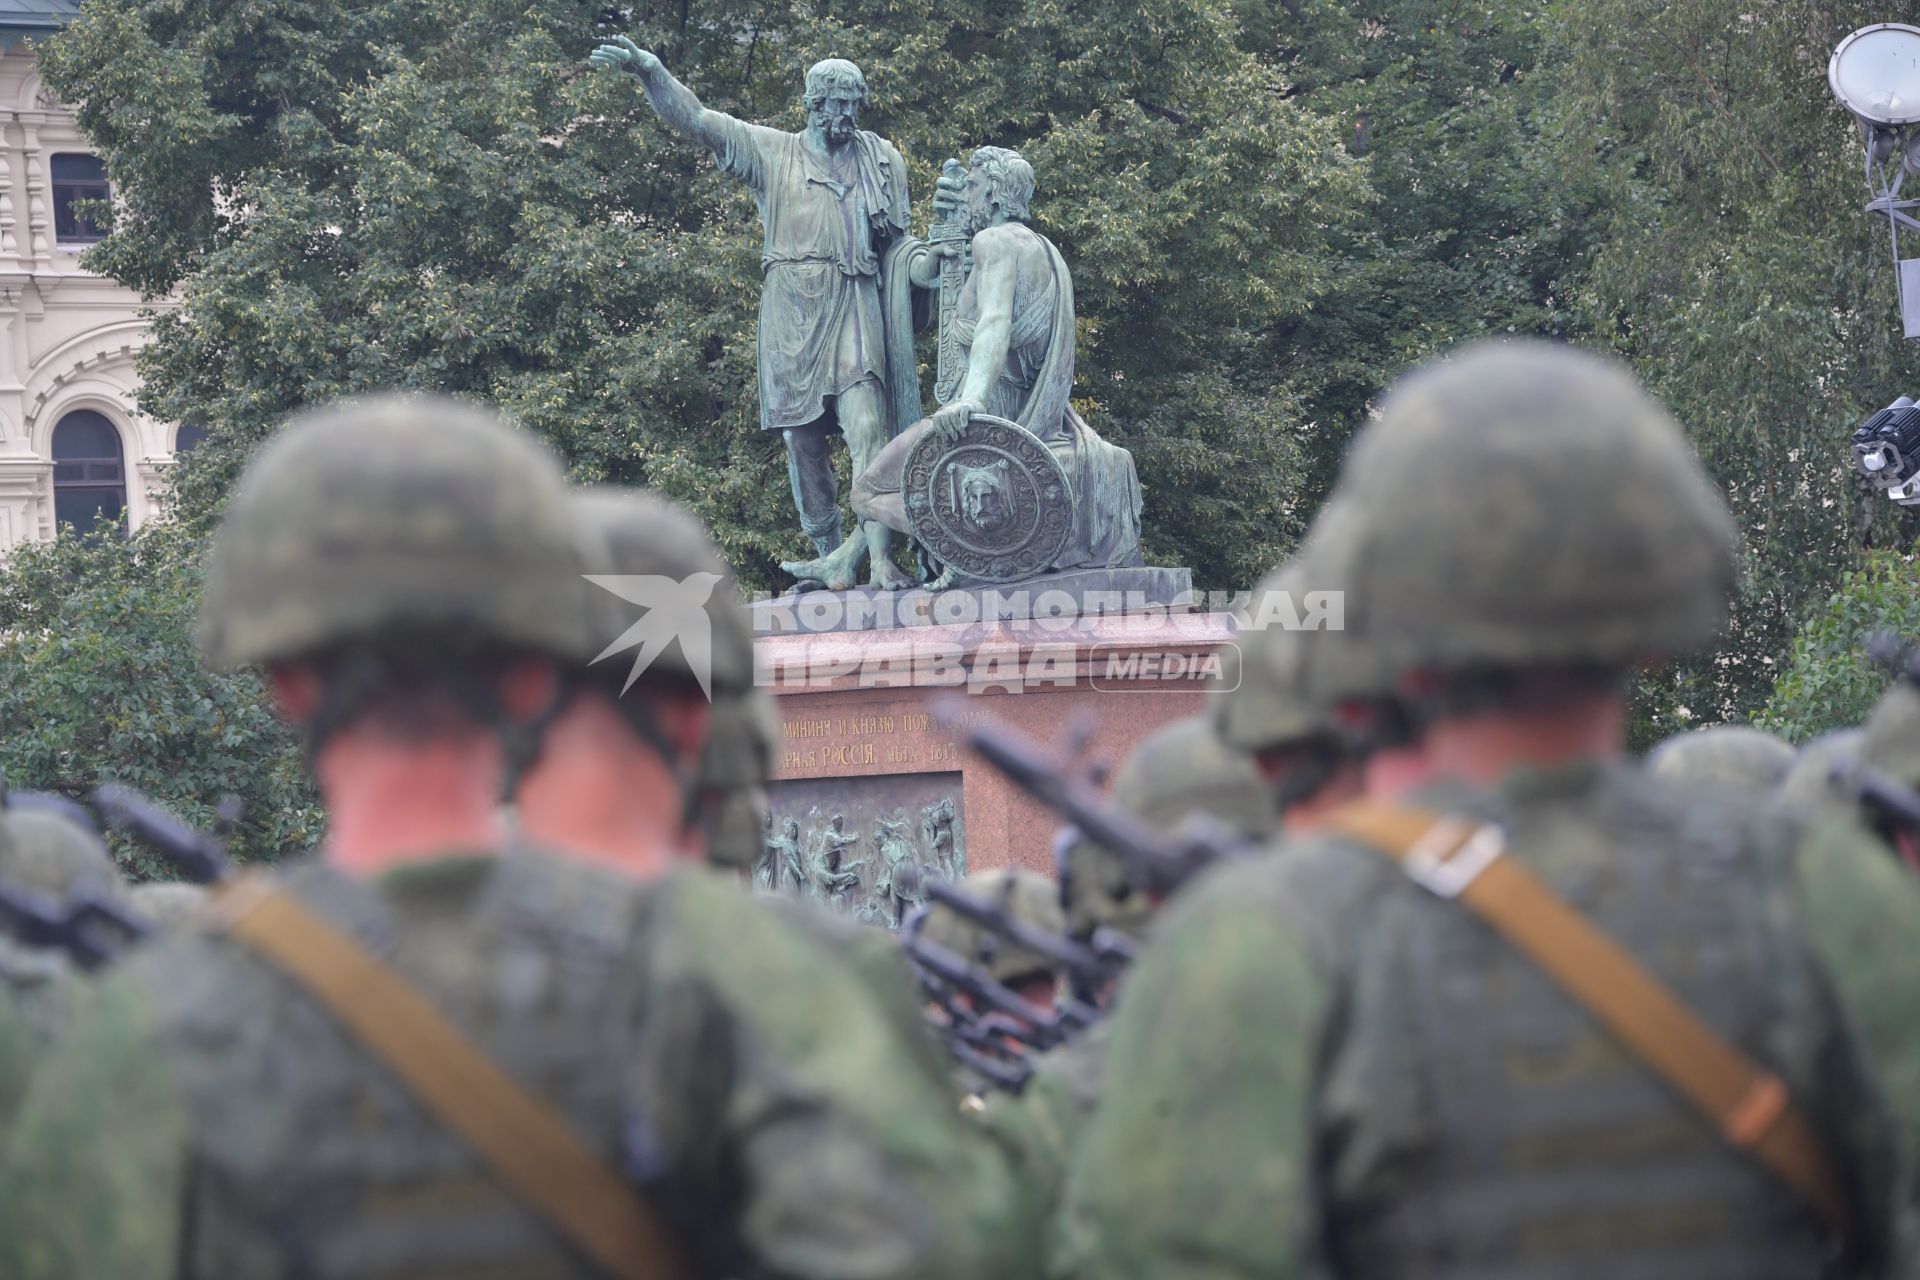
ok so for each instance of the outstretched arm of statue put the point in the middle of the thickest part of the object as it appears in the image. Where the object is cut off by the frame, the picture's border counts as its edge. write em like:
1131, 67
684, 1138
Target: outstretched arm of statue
672, 101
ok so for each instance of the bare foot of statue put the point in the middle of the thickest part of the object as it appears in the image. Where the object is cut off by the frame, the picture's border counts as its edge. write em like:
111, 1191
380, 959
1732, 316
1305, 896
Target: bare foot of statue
888, 576
836, 571
832, 572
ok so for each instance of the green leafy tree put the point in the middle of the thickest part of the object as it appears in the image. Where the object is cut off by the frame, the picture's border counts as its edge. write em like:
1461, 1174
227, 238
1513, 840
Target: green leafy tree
99, 679
379, 194
1732, 267
1478, 229
1826, 682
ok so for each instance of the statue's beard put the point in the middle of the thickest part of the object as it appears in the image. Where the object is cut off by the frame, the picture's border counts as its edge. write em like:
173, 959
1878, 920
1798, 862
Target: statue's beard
837, 128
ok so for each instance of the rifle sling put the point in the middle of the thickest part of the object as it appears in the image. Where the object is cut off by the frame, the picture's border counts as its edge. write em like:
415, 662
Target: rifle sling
1746, 1103
525, 1144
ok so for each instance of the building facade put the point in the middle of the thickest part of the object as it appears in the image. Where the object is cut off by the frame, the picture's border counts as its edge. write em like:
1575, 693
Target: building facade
73, 447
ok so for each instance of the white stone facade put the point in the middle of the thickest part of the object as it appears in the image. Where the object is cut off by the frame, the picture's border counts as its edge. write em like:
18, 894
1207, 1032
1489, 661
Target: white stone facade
67, 336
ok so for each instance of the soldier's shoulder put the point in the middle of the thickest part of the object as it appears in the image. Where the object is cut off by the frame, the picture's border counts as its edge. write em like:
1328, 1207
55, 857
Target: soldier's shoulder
1300, 878
708, 924
1709, 825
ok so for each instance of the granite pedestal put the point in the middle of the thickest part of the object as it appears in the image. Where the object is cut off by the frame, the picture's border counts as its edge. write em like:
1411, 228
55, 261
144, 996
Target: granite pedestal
873, 723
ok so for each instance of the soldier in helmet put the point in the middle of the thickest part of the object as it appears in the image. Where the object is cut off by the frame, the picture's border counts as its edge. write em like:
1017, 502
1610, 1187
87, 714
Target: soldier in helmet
1264, 754
1722, 755
1026, 897
45, 852
1270, 714
616, 780
1175, 772
1890, 746
733, 802
414, 1056
1374, 1053
611, 787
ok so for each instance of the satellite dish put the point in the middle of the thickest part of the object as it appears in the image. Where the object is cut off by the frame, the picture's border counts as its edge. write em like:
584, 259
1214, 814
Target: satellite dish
1875, 73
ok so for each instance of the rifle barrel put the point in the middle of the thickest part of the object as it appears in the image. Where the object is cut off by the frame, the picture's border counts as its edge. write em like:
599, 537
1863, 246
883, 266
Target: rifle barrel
931, 958
199, 857
1062, 951
1152, 862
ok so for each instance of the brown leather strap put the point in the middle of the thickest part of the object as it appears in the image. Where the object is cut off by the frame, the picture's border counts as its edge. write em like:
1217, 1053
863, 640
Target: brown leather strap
1456, 858
523, 1141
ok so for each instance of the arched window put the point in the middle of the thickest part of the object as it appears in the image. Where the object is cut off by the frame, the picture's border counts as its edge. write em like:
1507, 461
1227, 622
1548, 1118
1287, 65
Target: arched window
77, 177
89, 479
188, 437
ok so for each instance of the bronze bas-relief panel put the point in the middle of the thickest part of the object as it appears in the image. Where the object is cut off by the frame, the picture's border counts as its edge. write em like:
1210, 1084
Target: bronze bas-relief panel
842, 842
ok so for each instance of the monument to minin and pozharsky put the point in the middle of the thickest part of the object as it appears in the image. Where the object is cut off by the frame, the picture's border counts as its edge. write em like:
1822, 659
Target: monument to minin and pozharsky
1024, 522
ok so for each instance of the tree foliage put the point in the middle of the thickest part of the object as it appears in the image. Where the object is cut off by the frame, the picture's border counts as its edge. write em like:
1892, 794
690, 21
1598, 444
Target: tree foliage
1477, 229
1826, 683
1272, 208
99, 679
375, 194
1732, 267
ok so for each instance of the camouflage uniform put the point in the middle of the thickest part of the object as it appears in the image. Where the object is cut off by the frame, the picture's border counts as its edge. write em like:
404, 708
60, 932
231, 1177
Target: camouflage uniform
1179, 770
1722, 755
1321, 1068
206, 1116
169, 904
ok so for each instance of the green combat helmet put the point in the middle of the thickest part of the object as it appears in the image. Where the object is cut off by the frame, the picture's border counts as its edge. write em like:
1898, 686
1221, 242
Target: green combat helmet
1028, 898
1727, 755
1811, 781
1180, 769
1263, 702
327, 542
58, 856
1523, 506
644, 534
1890, 740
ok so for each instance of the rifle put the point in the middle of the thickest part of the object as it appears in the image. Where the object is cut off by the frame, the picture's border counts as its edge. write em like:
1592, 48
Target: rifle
75, 926
199, 857
1156, 864
1043, 1030
1893, 801
1009, 1075
991, 1046
1086, 962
